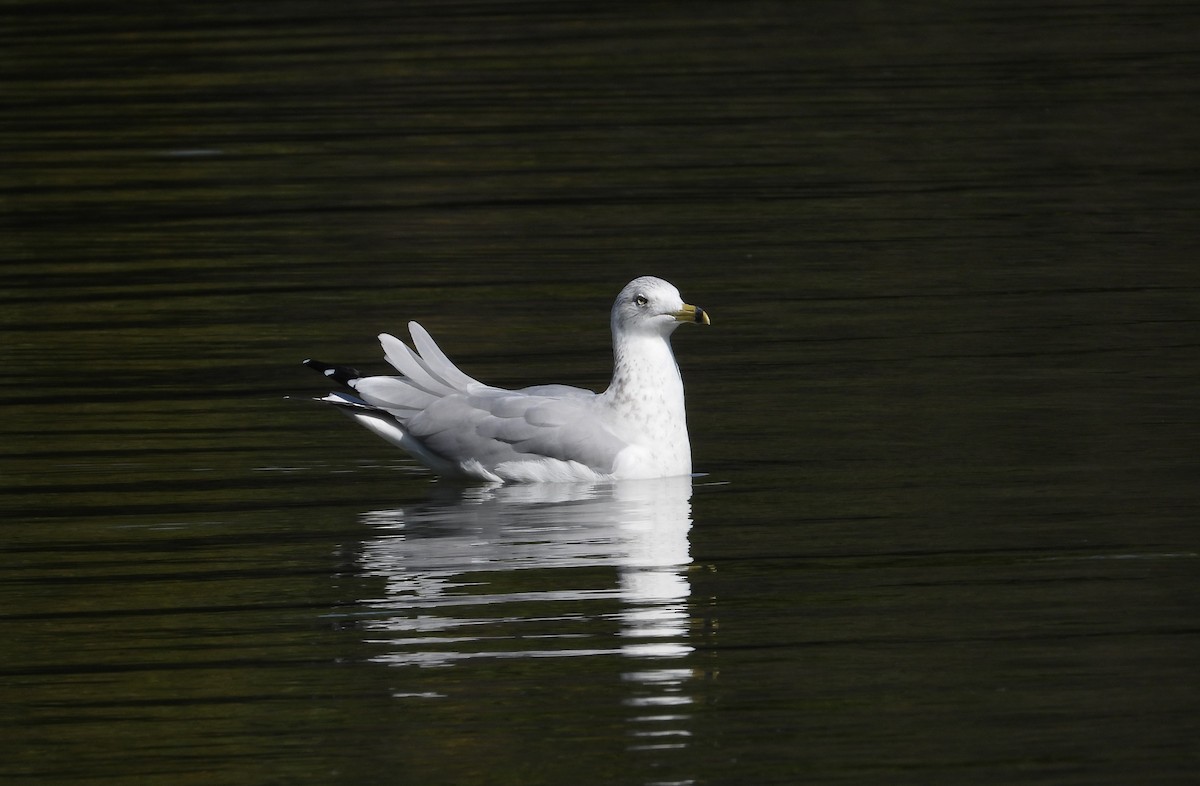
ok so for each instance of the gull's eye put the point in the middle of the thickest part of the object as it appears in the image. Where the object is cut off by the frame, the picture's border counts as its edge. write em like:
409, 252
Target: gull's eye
640, 300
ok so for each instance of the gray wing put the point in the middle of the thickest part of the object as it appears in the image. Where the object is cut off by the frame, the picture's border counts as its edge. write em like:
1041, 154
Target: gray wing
459, 419
494, 426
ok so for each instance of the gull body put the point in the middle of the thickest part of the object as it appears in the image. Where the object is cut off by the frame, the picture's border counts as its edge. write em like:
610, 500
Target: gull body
460, 427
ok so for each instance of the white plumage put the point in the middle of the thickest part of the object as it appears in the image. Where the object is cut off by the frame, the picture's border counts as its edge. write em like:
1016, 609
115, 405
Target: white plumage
458, 426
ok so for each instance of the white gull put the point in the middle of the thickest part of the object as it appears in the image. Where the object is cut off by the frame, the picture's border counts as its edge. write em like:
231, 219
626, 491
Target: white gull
460, 427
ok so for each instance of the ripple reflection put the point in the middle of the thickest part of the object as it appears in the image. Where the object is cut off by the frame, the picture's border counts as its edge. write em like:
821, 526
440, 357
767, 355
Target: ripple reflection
526, 572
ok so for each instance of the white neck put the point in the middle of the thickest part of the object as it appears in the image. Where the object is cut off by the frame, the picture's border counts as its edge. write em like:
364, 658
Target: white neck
648, 392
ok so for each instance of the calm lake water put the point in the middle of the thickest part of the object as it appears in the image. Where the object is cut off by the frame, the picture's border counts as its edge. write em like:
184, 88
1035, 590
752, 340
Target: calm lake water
944, 526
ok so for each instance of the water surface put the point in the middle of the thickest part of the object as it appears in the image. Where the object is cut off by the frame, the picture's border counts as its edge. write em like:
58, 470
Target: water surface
944, 526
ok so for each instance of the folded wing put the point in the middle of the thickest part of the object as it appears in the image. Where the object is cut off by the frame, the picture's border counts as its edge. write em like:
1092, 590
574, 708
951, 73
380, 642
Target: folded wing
461, 421
498, 427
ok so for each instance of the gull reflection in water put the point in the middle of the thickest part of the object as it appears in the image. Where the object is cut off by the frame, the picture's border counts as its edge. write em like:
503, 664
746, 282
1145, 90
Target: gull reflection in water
527, 571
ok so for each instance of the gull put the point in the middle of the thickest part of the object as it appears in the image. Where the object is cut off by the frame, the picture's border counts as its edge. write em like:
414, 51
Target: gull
460, 427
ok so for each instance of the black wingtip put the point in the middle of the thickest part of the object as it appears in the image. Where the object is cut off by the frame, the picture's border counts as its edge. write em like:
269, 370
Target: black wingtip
343, 375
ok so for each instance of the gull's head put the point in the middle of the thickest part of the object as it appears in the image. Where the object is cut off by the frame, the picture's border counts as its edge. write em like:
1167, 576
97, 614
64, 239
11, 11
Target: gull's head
651, 305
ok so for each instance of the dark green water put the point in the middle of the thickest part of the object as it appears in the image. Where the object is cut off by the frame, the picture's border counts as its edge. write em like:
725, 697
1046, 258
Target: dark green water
946, 526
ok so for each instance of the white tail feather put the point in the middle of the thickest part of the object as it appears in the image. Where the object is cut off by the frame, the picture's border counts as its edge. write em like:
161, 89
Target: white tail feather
394, 393
437, 361
410, 365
